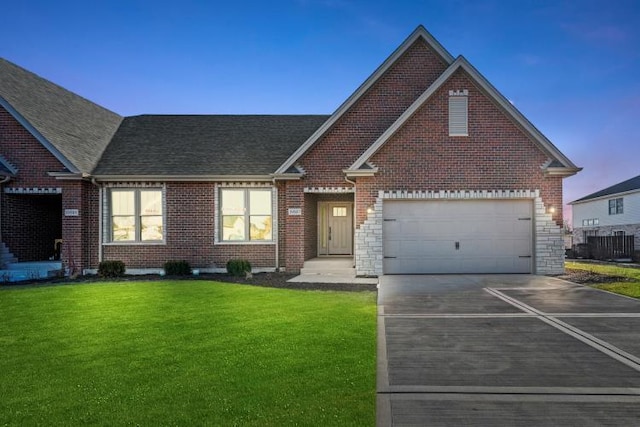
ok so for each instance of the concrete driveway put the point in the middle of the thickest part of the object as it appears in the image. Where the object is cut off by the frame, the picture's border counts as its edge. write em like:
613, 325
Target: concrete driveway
505, 350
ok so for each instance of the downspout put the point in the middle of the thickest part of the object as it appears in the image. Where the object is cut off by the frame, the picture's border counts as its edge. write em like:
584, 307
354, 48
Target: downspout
100, 194
275, 214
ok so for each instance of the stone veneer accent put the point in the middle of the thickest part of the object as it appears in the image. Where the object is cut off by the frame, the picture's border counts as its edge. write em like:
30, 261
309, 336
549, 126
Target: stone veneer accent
548, 242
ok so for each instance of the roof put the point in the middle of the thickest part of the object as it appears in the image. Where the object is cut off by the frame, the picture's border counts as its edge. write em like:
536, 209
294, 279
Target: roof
559, 164
204, 145
73, 128
632, 184
419, 33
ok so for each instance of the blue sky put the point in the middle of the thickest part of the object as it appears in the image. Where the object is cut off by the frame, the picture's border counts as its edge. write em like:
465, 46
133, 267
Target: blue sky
572, 67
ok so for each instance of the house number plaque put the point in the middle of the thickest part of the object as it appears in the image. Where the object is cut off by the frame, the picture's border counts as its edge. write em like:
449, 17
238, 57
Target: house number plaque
295, 211
71, 212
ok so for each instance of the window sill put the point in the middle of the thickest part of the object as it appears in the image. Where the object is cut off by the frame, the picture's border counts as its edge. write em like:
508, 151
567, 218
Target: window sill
241, 242
162, 243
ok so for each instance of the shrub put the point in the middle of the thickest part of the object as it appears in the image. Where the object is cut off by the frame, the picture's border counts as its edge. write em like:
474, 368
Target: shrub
238, 267
111, 269
177, 268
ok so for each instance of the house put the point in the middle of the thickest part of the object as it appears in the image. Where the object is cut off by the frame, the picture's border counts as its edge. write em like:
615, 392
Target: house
613, 211
425, 168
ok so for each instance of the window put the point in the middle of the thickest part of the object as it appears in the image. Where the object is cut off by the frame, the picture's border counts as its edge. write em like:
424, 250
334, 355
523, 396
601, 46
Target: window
339, 211
458, 113
136, 215
246, 215
590, 222
615, 206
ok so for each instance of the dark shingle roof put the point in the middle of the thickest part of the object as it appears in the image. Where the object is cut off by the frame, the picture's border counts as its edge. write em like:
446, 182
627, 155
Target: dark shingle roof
622, 187
79, 129
192, 145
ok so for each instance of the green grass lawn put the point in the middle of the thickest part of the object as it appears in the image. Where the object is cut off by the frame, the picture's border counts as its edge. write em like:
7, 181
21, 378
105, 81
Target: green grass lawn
630, 288
186, 353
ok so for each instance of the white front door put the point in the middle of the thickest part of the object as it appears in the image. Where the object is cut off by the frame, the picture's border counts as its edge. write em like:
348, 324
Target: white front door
335, 228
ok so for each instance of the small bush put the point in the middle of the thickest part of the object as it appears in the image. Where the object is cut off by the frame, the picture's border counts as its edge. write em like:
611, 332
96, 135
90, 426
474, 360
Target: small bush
111, 269
177, 268
238, 267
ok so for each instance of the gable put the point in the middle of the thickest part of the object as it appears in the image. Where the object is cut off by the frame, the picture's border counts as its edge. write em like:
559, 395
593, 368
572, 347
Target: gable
75, 130
353, 132
556, 164
27, 161
496, 154
363, 102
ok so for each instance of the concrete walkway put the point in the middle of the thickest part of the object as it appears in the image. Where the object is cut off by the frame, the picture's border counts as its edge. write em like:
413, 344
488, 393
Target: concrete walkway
505, 350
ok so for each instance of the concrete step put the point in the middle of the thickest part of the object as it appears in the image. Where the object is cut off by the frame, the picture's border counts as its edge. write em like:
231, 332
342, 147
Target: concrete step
330, 266
329, 271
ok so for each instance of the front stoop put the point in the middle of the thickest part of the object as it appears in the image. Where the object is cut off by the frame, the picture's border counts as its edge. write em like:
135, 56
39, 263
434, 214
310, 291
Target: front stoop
329, 266
331, 270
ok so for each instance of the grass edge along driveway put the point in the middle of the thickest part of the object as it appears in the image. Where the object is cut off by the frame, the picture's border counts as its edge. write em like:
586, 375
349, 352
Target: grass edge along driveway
629, 277
185, 353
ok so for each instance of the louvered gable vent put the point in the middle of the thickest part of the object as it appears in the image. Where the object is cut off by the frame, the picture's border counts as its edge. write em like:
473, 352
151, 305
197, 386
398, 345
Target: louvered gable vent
458, 113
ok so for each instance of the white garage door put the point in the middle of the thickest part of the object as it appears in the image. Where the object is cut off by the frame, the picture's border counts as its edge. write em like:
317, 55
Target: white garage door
461, 236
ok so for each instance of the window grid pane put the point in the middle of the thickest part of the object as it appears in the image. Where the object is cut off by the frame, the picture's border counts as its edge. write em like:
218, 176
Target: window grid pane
246, 215
136, 215
260, 227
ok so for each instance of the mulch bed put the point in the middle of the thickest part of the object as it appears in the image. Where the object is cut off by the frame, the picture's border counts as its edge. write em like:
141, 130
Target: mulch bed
587, 277
270, 280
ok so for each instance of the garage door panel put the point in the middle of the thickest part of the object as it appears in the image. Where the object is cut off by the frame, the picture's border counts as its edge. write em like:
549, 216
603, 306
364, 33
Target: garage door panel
493, 236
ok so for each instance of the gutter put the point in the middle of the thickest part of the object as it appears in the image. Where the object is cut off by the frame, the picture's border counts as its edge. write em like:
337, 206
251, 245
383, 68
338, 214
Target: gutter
183, 178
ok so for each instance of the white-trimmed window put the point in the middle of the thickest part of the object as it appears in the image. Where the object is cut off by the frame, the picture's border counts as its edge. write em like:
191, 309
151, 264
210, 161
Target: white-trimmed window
459, 113
616, 206
590, 222
136, 215
246, 215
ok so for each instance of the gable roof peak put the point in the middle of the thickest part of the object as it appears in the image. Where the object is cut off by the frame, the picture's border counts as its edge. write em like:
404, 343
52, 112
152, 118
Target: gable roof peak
567, 167
419, 33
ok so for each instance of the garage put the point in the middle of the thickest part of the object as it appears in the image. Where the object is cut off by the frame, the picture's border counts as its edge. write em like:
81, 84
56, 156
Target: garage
457, 236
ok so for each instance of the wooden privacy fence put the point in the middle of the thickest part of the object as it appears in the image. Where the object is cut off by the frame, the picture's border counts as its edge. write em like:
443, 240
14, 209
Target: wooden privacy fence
610, 247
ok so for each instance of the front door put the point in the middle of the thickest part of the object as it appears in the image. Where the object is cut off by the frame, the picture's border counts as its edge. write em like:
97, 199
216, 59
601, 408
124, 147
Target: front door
335, 228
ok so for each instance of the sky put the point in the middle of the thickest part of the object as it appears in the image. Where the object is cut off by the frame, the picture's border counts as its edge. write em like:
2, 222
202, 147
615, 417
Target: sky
571, 67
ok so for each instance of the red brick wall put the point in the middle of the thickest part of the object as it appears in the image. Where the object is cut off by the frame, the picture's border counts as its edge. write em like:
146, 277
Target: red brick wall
371, 115
190, 222
495, 155
310, 226
294, 233
27, 154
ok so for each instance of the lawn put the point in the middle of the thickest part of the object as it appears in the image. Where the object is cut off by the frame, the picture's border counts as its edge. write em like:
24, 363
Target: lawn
628, 285
186, 353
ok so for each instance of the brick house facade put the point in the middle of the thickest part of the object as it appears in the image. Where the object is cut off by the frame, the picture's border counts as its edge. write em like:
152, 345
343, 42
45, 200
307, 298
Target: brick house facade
279, 190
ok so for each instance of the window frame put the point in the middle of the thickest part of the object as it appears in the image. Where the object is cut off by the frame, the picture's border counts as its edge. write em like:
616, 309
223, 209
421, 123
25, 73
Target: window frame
616, 206
137, 214
247, 215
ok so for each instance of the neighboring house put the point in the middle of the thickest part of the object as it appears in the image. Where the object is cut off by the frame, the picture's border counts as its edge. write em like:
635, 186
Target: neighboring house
425, 168
614, 211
